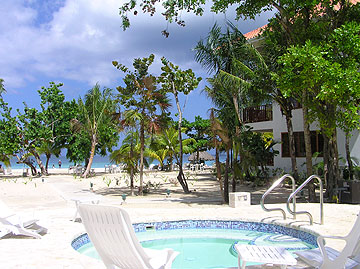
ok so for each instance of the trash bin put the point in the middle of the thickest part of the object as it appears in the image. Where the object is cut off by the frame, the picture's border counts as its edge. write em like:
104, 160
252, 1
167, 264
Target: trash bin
351, 192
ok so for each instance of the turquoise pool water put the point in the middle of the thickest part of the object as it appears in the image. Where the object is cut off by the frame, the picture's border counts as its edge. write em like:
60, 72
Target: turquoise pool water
207, 248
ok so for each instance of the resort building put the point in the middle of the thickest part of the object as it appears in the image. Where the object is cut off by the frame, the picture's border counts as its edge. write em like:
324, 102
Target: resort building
269, 119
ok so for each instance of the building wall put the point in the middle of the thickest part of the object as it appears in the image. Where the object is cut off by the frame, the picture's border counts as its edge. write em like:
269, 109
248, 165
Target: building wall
278, 126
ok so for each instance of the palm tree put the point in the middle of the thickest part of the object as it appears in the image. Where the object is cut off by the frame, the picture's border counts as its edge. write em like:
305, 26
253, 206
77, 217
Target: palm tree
242, 69
95, 114
167, 146
129, 154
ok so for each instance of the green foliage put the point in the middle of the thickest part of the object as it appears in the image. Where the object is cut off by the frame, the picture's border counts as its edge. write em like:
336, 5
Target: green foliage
128, 153
141, 96
199, 131
329, 74
175, 80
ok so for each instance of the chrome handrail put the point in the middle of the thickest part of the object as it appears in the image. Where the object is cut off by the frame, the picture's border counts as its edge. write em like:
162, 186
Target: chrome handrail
273, 186
293, 195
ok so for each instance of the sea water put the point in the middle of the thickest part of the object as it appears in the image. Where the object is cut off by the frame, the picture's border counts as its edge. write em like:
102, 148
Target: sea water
98, 162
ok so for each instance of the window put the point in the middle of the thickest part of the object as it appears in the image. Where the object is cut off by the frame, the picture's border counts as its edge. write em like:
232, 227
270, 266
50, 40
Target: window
317, 143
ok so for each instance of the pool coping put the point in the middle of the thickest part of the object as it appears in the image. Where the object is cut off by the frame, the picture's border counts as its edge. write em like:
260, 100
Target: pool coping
80, 238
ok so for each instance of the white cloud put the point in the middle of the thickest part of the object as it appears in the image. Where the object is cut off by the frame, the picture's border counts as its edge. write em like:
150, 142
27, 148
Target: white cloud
77, 40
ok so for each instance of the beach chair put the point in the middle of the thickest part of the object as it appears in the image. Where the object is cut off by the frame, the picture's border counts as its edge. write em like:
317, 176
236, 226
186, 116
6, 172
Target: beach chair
327, 257
110, 230
11, 223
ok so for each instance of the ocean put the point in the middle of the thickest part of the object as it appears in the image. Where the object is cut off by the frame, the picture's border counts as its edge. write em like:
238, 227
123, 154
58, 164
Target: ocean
99, 162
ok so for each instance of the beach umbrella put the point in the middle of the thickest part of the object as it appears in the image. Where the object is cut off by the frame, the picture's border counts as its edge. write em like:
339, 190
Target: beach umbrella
203, 155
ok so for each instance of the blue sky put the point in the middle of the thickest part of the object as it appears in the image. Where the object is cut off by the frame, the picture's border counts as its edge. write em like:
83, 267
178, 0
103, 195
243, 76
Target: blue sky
75, 41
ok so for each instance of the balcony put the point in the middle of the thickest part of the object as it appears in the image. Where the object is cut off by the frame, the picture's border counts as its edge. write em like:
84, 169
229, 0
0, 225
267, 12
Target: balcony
258, 113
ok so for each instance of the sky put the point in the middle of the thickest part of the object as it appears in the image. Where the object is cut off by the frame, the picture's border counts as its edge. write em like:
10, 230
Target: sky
75, 41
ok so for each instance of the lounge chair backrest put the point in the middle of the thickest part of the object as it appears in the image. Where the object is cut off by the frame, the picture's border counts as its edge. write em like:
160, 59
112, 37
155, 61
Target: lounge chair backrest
355, 232
110, 230
351, 249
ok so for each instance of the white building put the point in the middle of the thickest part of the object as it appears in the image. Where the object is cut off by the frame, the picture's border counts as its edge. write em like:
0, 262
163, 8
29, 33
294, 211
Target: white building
268, 118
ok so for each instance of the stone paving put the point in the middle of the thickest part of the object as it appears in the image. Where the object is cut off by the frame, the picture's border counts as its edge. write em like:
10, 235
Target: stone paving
51, 203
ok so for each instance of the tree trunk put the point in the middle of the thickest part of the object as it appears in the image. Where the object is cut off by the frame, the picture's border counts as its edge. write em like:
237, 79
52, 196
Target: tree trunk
39, 162
48, 156
348, 157
333, 167
132, 167
92, 154
142, 148
326, 161
32, 167
218, 169
226, 178
233, 163
236, 105
308, 153
170, 164
181, 178
291, 144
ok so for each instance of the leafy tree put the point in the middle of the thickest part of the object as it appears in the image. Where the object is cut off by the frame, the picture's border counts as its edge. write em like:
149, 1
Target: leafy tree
199, 131
141, 96
9, 133
95, 123
174, 80
329, 73
57, 114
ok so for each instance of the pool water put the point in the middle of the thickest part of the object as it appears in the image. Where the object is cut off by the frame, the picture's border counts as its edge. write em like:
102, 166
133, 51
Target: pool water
207, 248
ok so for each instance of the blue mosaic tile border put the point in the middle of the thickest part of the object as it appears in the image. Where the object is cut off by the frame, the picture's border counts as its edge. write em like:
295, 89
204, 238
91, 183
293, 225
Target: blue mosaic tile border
80, 241
213, 224
233, 225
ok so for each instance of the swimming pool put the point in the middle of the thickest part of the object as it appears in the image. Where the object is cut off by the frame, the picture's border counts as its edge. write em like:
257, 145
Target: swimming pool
209, 243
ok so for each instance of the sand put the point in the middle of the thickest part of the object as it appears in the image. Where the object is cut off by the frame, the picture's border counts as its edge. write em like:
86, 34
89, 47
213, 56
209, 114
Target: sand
49, 199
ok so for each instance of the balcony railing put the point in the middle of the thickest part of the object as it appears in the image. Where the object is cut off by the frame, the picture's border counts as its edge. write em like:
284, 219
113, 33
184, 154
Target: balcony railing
257, 114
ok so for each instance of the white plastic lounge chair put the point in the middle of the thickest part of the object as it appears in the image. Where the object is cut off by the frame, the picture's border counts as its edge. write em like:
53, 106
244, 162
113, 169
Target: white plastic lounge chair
109, 229
11, 223
327, 257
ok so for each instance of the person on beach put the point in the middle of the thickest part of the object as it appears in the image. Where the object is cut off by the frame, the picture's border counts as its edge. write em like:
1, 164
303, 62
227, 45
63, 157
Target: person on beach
2, 169
59, 163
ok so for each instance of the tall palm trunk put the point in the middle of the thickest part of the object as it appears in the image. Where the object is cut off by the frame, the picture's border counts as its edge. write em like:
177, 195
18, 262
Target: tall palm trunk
132, 168
91, 158
142, 148
233, 163
181, 178
226, 177
218, 169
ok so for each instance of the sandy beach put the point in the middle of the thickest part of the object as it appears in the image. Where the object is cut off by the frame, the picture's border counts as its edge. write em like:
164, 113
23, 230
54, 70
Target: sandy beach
50, 199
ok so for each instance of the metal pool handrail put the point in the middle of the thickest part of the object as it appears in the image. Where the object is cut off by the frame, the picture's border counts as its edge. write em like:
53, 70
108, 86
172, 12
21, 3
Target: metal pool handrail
274, 185
293, 195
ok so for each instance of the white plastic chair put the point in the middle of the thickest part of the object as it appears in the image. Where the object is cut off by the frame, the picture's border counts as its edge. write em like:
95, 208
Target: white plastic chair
328, 258
109, 229
11, 223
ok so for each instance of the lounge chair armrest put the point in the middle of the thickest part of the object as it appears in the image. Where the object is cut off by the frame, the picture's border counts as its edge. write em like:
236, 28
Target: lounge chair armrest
321, 243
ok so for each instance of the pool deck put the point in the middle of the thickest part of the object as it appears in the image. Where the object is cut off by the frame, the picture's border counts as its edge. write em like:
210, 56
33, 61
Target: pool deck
51, 203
